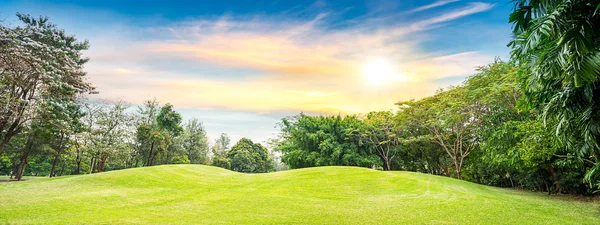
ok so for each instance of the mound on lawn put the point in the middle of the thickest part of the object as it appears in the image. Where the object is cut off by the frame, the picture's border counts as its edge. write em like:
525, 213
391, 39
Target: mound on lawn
193, 194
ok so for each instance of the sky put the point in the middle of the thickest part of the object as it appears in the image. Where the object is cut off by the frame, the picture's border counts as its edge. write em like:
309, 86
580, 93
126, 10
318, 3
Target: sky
241, 66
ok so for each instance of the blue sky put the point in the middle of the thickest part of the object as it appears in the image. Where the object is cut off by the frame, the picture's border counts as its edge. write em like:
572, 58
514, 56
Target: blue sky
240, 66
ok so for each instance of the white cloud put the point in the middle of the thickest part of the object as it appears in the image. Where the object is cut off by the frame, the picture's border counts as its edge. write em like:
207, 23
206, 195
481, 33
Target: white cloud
432, 5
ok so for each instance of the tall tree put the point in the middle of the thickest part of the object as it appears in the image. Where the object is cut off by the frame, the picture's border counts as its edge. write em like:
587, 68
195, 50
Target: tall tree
40, 66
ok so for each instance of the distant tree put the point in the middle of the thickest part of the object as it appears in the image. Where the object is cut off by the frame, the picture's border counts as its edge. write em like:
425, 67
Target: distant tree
170, 121
195, 142
109, 133
222, 144
307, 141
381, 131
249, 157
219, 152
156, 131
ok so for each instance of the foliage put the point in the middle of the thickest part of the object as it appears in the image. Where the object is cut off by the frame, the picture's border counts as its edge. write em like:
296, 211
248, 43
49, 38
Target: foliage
309, 141
195, 142
558, 44
41, 68
380, 130
248, 157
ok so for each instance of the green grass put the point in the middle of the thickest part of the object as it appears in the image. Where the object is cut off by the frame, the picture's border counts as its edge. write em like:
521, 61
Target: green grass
192, 194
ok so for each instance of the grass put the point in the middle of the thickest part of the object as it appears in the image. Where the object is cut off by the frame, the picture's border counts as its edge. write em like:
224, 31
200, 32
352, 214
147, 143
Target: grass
192, 194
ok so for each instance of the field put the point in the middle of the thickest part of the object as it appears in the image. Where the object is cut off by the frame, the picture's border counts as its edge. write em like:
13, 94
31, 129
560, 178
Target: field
192, 194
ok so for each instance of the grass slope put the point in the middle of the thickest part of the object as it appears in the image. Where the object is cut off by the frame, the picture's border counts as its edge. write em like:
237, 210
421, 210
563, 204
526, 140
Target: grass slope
192, 194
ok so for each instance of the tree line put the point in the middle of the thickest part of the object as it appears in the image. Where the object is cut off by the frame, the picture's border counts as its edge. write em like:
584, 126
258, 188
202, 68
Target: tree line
480, 131
49, 125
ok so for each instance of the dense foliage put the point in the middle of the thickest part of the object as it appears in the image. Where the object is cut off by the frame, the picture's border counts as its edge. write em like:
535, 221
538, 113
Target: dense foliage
249, 157
558, 44
309, 141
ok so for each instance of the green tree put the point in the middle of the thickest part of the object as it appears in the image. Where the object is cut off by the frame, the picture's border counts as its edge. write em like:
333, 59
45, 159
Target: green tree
380, 130
41, 66
249, 157
195, 142
219, 151
558, 44
168, 120
307, 141
109, 132
156, 132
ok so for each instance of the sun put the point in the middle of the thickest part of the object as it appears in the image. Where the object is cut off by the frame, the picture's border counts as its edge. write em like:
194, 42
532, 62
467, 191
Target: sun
378, 71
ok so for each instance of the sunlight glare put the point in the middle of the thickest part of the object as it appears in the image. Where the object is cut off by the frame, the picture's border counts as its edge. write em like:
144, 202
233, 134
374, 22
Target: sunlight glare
378, 71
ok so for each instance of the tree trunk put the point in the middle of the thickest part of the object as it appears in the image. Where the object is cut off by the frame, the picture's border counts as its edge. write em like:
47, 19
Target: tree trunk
102, 162
58, 151
54, 164
14, 171
23, 161
21, 170
387, 163
78, 160
458, 173
78, 169
92, 165
149, 161
555, 179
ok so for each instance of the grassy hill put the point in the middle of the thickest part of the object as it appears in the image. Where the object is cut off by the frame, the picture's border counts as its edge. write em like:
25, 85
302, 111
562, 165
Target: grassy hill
184, 194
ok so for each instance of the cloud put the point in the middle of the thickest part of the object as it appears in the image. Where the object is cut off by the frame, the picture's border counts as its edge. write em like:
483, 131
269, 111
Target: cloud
265, 64
432, 5
472, 8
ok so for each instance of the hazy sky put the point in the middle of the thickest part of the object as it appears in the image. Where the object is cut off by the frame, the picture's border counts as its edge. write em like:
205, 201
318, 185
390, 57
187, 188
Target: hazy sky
240, 66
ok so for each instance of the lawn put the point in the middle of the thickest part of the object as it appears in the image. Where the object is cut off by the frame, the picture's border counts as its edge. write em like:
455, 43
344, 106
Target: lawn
193, 194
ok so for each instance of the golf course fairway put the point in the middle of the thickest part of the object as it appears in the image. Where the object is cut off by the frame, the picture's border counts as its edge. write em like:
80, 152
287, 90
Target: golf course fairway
194, 194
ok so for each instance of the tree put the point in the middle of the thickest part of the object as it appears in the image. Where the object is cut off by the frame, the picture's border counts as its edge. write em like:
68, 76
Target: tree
558, 44
108, 127
249, 157
168, 120
380, 130
156, 131
40, 67
195, 142
221, 144
452, 120
219, 152
307, 141
65, 122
